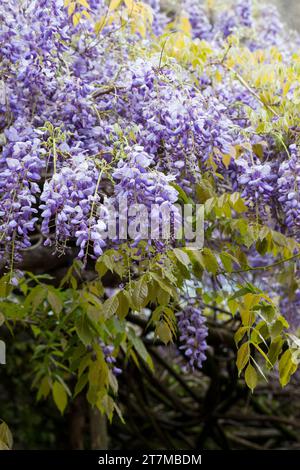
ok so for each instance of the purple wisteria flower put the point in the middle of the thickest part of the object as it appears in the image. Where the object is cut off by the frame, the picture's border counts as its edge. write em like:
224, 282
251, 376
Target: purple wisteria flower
58, 73
70, 200
288, 186
108, 351
192, 335
137, 184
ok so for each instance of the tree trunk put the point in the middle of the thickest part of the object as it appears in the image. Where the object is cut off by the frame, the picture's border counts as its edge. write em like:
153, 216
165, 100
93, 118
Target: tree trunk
98, 430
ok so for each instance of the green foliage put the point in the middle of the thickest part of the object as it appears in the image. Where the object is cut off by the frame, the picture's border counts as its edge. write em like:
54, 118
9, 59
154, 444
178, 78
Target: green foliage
6, 440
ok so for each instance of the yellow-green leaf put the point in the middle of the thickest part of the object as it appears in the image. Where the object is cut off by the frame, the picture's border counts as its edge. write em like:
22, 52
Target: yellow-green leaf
84, 3
76, 18
240, 334
55, 302
243, 356
251, 377
286, 368
182, 256
226, 261
59, 396
110, 306
140, 293
208, 261
275, 349
226, 158
114, 4
164, 332
5, 436
71, 8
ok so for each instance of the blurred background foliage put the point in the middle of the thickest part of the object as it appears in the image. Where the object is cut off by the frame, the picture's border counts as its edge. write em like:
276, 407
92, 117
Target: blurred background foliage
211, 409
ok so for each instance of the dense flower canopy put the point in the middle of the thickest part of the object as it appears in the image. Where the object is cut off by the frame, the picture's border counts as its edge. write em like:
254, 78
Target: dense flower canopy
54, 73
161, 103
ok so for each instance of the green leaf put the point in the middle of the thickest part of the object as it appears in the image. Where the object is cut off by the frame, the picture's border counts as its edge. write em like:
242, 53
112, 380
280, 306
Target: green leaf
233, 306
106, 405
114, 4
83, 329
240, 293
286, 367
276, 328
247, 317
163, 284
3, 446
59, 396
35, 330
204, 190
84, 3
124, 304
262, 353
6, 436
98, 378
208, 261
44, 388
258, 149
182, 256
251, 377
260, 333
35, 298
163, 332
55, 302
279, 238
84, 363
275, 349
140, 293
5, 286
209, 205
262, 246
237, 203
259, 369
113, 382
243, 356
81, 383
163, 297
101, 268
76, 18
226, 261
110, 306
283, 321
240, 334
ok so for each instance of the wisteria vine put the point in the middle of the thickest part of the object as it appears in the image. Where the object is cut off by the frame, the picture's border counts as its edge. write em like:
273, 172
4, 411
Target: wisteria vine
82, 105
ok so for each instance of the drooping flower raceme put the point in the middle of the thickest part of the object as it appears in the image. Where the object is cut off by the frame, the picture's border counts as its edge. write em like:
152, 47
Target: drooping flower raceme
192, 335
288, 186
21, 164
137, 184
71, 202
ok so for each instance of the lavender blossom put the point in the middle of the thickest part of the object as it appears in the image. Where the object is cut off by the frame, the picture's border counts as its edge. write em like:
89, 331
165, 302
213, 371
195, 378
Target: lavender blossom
193, 333
108, 351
